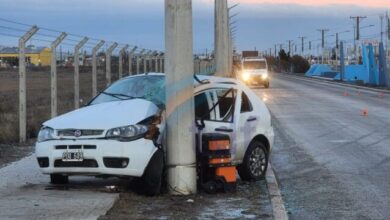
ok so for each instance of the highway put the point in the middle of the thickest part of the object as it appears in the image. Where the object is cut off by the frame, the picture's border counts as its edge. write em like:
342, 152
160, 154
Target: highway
331, 159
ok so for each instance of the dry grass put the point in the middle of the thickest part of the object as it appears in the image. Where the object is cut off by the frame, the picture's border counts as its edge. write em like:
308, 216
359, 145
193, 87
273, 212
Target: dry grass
38, 98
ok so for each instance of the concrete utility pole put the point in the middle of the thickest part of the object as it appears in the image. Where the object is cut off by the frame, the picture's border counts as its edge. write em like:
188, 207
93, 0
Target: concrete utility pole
358, 19
108, 62
22, 83
53, 78
139, 56
94, 67
76, 63
121, 53
221, 41
303, 44
289, 46
323, 31
181, 156
131, 60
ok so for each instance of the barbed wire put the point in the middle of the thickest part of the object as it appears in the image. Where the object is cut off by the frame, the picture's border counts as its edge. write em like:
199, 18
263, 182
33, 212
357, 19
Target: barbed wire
88, 44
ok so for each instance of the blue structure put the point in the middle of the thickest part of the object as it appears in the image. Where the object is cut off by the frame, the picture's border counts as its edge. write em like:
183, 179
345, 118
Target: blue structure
318, 70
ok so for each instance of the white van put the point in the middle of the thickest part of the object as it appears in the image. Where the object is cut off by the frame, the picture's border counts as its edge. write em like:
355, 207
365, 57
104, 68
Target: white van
255, 71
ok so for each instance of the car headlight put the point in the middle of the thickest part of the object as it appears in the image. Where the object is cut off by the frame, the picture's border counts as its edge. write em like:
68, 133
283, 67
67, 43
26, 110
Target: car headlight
264, 76
45, 134
127, 133
245, 76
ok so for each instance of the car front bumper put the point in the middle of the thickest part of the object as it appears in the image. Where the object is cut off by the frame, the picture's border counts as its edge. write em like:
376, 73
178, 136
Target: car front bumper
98, 151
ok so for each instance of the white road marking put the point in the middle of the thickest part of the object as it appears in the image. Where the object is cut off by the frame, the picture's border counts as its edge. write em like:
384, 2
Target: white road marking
279, 210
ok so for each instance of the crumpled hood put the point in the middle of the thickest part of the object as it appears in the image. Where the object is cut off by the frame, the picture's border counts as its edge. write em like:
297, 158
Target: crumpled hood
105, 115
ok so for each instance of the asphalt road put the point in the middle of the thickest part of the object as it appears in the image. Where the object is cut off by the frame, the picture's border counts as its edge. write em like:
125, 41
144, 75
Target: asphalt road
332, 160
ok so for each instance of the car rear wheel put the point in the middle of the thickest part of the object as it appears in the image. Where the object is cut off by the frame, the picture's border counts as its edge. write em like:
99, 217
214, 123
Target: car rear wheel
255, 163
58, 179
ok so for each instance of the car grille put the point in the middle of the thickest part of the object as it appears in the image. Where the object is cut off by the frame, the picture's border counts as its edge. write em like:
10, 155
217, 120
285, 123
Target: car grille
84, 163
84, 132
73, 147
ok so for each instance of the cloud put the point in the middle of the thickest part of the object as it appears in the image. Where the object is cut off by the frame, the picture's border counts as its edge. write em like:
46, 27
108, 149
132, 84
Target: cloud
364, 3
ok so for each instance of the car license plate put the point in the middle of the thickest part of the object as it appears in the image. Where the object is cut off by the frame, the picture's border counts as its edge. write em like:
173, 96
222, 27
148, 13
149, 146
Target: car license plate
72, 156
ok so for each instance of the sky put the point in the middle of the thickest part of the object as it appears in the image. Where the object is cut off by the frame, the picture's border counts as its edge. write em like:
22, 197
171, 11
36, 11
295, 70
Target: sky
260, 24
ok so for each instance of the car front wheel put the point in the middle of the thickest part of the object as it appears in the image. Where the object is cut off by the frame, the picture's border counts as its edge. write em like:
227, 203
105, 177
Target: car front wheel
255, 163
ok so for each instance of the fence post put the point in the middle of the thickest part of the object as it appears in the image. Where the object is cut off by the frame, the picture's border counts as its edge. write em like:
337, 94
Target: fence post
121, 52
146, 57
94, 67
156, 61
108, 62
139, 60
22, 83
76, 62
162, 63
131, 60
53, 77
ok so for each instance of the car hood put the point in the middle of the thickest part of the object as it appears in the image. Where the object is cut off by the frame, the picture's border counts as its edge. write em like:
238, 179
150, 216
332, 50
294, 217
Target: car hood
105, 115
257, 71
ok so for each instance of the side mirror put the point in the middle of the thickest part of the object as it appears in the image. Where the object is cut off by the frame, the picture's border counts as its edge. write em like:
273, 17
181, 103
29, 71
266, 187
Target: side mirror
200, 123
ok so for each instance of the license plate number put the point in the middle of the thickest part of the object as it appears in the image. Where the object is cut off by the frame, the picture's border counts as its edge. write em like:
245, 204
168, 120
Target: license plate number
72, 156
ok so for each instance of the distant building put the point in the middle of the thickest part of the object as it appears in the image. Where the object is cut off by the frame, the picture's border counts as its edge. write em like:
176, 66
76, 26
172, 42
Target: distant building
38, 56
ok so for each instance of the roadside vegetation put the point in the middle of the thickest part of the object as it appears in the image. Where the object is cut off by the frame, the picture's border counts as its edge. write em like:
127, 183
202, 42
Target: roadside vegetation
287, 63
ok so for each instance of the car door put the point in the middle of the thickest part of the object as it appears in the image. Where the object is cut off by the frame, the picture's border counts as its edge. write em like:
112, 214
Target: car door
247, 124
217, 107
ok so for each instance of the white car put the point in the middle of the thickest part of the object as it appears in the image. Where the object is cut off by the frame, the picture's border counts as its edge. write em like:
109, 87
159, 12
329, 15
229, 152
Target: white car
121, 131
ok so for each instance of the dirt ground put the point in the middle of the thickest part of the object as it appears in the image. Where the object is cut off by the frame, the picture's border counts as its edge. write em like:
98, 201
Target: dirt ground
250, 201
14, 152
38, 97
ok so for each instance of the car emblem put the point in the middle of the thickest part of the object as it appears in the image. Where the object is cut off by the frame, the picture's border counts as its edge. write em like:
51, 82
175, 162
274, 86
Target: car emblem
77, 133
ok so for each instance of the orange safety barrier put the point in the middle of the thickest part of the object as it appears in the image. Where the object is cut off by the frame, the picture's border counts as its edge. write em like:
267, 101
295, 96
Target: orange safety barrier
228, 172
216, 161
219, 145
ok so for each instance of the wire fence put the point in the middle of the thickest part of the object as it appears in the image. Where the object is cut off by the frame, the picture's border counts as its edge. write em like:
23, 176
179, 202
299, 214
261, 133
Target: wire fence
72, 67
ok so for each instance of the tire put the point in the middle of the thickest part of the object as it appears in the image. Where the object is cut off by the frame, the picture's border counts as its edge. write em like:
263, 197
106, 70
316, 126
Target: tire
58, 179
255, 163
152, 178
266, 85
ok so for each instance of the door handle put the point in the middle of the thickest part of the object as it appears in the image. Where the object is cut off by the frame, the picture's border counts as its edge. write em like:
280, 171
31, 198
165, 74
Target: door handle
252, 118
224, 129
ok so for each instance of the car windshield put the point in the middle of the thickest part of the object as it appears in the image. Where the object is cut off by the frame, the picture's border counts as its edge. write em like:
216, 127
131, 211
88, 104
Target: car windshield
150, 88
251, 65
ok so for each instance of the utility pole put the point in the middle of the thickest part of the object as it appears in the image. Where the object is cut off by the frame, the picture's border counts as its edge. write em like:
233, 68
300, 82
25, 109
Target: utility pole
358, 19
382, 17
289, 46
275, 50
181, 153
303, 44
221, 40
22, 83
323, 31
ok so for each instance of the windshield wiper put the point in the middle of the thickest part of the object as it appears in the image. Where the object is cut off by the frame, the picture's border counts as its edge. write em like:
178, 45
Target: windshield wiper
119, 95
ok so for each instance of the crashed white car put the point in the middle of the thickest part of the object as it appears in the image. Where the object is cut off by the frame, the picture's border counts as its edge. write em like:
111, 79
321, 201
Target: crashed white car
121, 131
